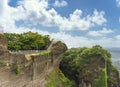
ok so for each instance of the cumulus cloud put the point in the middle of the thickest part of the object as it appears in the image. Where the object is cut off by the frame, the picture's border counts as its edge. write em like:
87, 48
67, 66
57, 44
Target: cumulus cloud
97, 18
80, 41
62, 3
118, 3
74, 41
71, 41
36, 12
102, 32
75, 21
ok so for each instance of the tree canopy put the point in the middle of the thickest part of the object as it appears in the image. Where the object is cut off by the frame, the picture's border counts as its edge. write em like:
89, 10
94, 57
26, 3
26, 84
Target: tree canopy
27, 41
76, 62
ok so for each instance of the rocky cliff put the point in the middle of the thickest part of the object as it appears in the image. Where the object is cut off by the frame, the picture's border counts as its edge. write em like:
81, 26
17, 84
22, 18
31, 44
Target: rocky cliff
83, 67
90, 67
28, 70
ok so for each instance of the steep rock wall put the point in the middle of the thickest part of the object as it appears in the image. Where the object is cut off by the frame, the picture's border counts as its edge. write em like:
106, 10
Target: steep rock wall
28, 70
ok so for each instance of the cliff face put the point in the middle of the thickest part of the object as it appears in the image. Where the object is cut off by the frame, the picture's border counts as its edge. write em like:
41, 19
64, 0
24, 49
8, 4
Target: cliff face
87, 67
99, 73
28, 70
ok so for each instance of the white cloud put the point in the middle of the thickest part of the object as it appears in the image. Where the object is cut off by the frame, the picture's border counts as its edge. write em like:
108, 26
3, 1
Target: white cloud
94, 33
80, 41
72, 41
62, 3
118, 37
102, 32
35, 12
98, 17
118, 3
24, 29
75, 21
119, 20
106, 31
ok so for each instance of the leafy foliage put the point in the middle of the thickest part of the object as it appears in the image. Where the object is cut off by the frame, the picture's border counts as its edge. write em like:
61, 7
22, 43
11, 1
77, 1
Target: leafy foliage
101, 81
27, 41
57, 79
75, 61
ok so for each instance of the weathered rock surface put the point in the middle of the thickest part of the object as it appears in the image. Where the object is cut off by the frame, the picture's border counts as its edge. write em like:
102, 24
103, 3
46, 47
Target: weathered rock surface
27, 70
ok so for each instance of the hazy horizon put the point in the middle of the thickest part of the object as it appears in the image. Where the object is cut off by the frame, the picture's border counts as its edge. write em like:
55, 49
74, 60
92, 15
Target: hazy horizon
115, 52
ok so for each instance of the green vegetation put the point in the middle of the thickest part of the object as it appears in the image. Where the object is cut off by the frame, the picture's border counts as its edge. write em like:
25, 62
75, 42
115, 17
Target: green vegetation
17, 69
29, 56
27, 41
38, 54
45, 53
57, 79
112, 72
89, 64
101, 80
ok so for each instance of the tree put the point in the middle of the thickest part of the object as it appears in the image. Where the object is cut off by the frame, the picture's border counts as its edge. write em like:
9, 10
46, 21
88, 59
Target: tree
27, 41
75, 63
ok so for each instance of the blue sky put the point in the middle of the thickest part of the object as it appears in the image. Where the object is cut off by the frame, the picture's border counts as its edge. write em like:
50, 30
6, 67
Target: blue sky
78, 23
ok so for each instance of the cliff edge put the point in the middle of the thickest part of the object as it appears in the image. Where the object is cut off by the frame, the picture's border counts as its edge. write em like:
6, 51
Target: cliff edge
31, 69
